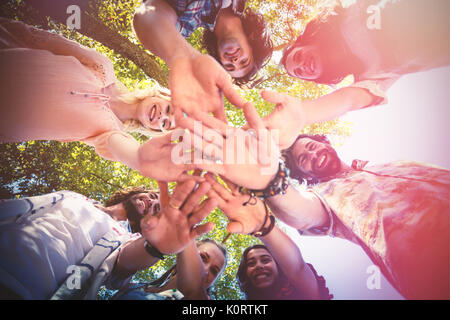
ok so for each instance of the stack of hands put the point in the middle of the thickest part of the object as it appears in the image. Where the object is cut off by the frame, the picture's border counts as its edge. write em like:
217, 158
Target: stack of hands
243, 157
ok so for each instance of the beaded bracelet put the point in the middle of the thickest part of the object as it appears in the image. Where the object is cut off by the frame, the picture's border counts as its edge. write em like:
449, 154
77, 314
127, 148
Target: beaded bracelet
278, 185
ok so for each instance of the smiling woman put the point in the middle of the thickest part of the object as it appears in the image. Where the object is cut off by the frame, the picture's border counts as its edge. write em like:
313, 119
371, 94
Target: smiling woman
262, 278
72, 94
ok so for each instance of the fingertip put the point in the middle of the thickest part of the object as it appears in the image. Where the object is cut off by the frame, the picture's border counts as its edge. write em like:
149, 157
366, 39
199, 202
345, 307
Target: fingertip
234, 228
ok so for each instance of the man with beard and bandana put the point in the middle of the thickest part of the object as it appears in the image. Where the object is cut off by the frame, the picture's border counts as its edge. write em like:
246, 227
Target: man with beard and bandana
63, 245
397, 212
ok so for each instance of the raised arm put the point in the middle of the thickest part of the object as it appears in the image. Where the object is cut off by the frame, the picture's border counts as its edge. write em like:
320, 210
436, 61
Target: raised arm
291, 114
196, 80
152, 158
190, 273
170, 230
300, 209
250, 218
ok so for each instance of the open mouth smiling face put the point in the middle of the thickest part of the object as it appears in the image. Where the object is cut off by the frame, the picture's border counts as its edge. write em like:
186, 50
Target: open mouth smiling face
262, 270
147, 203
303, 63
156, 113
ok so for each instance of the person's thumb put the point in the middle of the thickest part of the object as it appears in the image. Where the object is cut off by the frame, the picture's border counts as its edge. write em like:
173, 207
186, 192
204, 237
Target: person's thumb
272, 96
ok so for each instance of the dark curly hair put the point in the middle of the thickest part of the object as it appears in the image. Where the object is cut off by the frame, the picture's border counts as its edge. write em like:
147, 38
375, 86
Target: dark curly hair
258, 38
294, 171
124, 194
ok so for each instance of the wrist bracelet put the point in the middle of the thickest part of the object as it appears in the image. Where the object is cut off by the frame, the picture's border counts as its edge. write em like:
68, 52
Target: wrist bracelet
265, 231
278, 185
153, 251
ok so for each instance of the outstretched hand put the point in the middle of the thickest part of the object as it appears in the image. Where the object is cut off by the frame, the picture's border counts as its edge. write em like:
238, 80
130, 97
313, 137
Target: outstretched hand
246, 218
288, 117
197, 83
175, 226
249, 159
155, 160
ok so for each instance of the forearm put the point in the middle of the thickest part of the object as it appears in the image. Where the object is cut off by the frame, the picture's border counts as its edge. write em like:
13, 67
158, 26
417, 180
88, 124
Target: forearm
284, 251
155, 26
336, 104
290, 260
133, 257
300, 209
190, 273
124, 150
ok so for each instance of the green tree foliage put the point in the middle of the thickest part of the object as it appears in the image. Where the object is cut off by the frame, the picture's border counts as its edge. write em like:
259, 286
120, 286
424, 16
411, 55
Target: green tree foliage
37, 167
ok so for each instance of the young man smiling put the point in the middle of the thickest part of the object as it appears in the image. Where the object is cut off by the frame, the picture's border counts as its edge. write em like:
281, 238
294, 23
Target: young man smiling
397, 212
64, 246
235, 37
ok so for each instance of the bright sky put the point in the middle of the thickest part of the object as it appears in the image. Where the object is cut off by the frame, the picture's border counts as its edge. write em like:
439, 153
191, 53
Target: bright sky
414, 125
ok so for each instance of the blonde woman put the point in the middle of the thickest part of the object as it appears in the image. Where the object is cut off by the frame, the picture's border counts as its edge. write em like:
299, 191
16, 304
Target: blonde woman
53, 88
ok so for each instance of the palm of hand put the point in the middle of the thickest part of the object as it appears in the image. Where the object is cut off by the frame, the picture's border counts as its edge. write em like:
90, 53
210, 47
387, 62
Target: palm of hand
249, 216
194, 85
172, 233
288, 118
155, 157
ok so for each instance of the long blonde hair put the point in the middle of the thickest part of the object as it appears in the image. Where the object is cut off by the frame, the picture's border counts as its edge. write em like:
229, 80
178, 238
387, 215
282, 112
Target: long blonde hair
135, 97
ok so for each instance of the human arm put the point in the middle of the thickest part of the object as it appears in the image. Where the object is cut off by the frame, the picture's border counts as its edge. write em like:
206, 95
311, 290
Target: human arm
170, 230
300, 209
288, 256
291, 114
250, 218
153, 158
196, 80
191, 273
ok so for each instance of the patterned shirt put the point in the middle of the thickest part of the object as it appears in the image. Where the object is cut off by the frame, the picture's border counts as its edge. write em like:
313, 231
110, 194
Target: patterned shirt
193, 14
46, 238
399, 214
